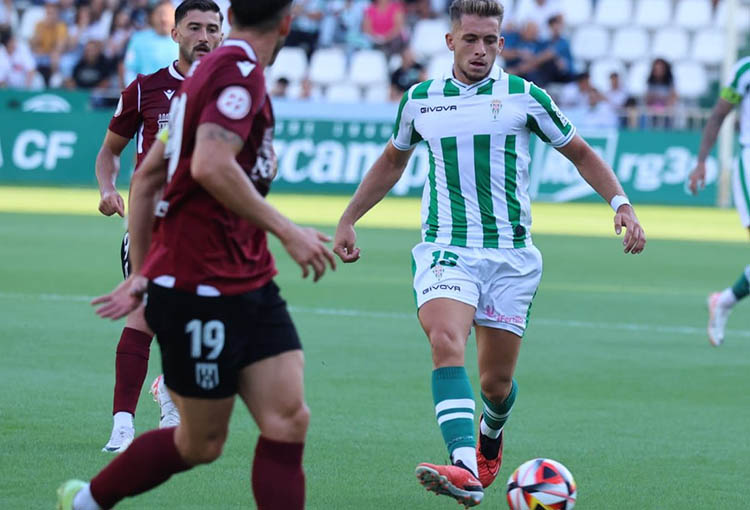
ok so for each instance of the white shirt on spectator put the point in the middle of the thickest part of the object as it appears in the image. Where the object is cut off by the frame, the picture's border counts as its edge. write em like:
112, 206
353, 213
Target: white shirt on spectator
530, 10
19, 64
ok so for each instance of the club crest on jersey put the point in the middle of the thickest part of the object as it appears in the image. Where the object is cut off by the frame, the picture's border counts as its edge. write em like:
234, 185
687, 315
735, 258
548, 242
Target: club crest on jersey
207, 375
495, 107
163, 120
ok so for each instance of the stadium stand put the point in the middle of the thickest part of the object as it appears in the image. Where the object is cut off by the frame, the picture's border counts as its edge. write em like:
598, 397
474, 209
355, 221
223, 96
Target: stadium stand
606, 36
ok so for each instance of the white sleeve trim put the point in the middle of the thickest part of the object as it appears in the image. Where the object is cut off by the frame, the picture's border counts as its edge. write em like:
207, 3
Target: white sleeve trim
402, 148
568, 138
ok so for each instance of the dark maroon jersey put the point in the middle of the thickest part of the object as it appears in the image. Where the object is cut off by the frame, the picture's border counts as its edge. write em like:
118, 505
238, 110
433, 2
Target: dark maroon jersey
198, 244
143, 109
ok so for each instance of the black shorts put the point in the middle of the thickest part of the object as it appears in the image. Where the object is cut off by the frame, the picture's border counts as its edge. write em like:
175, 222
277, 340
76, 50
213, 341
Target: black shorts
206, 341
125, 255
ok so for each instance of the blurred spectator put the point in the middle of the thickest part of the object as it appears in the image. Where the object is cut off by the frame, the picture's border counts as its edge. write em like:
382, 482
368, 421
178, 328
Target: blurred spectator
68, 12
93, 70
342, 24
538, 11
585, 105
616, 95
408, 73
120, 33
17, 64
139, 13
555, 62
576, 95
49, 40
306, 25
522, 51
8, 16
384, 23
280, 88
153, 48
661, 96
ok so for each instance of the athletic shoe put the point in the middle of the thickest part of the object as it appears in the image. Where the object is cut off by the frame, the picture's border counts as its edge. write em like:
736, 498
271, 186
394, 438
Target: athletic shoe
119, 440
66, 493
717, 319
169, 417
489, 467
455, 481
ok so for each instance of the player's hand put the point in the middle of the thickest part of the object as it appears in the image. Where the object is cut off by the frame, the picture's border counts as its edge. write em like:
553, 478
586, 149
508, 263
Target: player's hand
110, 203
124, 299
344, 243
697, 178
635, 238
306, 246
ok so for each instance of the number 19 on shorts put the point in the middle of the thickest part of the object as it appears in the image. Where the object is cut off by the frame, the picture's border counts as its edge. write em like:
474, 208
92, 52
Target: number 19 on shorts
209, 335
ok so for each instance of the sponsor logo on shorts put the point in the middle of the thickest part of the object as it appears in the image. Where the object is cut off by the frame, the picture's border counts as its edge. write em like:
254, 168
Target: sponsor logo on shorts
441, 286
207, 375
496, 316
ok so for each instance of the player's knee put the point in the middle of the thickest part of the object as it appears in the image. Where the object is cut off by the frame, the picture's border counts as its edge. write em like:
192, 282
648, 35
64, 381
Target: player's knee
288, 423
203, 451
446, 345
495, 387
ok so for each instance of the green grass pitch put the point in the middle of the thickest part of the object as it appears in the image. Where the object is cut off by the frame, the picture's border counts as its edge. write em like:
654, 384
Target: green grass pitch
616, 378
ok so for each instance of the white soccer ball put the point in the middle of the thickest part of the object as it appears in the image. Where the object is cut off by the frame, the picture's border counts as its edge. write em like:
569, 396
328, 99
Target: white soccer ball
541, 484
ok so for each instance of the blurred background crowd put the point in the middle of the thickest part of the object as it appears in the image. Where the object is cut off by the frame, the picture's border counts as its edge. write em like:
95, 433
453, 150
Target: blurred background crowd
608, 63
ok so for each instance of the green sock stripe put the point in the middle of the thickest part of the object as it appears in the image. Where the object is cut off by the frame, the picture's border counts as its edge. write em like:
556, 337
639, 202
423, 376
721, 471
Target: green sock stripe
495, 415
454, 406
741, 287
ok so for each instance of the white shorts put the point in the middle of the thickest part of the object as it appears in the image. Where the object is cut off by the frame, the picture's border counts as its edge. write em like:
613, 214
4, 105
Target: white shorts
741, 186
499, 282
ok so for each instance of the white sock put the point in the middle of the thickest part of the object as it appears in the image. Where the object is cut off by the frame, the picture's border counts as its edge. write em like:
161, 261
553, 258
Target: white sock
84, 500
468, 456
123, 419
727, 299
489, 432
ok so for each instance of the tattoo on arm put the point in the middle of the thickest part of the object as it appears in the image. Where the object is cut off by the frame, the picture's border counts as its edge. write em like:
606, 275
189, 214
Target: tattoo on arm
216, 133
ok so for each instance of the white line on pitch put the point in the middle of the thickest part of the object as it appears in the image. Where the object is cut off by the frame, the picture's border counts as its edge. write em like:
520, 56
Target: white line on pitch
344, 312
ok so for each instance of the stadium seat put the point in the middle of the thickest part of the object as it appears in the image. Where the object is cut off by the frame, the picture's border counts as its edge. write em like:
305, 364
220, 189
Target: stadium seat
590, 42
439, 64
690, 79
637, 76
708, 46
328, 66
291, 63
692, 14
30, 17
576, 12
653, 14
601, 69
343, 93
428, 38
630, 43
369, 67
742, 19
378, 94
613, 13
670, 43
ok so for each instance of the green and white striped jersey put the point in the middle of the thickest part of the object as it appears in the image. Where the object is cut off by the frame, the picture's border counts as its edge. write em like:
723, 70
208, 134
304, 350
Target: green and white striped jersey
477, 191
737, 92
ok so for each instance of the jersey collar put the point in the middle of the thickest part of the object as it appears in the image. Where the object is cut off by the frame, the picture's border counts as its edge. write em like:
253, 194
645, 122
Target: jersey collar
495, 74
244, 45
174, 72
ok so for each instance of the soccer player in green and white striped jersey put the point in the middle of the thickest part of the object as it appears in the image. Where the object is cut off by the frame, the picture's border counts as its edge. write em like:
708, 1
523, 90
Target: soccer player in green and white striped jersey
736, 92
477, 264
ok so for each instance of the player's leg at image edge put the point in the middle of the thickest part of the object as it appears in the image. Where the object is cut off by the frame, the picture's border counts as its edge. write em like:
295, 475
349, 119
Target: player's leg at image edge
720, 304
454, 408
490, 444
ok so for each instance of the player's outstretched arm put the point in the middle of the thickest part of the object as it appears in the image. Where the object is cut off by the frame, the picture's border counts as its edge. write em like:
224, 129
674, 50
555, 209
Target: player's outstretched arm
214, 166
383, 175
720, 111
107, 169
601, 177
145, 190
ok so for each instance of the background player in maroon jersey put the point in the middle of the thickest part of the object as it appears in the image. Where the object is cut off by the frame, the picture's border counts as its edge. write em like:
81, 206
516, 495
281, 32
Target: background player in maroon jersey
222, 327
142, 111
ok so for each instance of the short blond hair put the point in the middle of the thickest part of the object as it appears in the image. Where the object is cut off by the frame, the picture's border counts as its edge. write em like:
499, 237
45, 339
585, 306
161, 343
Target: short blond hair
481, 8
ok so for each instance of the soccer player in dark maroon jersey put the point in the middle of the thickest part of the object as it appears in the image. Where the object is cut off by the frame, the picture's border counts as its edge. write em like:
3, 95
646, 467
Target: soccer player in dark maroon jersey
142, 111
222, 326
